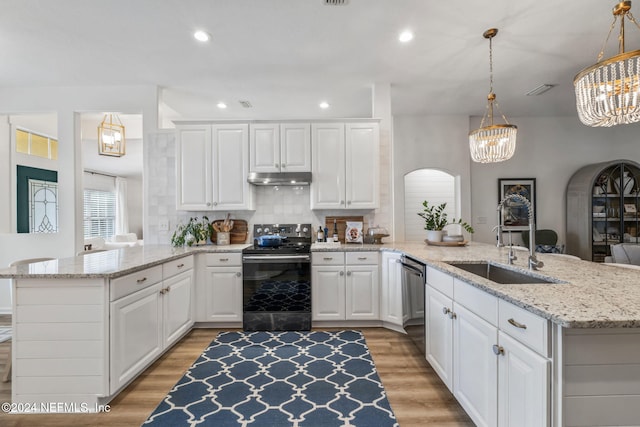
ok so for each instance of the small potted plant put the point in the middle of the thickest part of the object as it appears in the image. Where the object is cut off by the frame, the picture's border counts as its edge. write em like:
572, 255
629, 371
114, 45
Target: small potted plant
435, 220
195, 232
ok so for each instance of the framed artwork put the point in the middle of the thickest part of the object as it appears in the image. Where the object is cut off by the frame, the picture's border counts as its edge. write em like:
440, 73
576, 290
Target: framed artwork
515, 215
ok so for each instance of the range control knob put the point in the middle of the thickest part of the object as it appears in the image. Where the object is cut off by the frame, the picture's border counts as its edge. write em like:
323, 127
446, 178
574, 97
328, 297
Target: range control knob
305, 229
258, 230
266, 230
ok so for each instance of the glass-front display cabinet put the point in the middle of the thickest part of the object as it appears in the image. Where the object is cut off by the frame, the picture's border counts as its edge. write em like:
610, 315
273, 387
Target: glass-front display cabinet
602, 208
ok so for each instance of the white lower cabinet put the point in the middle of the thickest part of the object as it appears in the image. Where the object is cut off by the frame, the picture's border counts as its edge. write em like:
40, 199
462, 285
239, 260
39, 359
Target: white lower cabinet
475, 366
391, 301
345, 286
328, 292
145, 322
136, 334
492, 355
439, 334
523, 385
177, 307
222, 287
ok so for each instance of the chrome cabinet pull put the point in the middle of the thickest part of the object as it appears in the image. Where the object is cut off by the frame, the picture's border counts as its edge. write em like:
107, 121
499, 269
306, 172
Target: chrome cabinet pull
284, 166
498, 349
362, 258
342, 273
327, 258
452, 315
445, 310
238, 274
517, 324
277, 165
348, 273
180, 265
144, 279
224, 259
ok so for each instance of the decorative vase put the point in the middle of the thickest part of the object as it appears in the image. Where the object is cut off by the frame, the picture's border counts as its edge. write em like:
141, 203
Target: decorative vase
434, 235
627, 182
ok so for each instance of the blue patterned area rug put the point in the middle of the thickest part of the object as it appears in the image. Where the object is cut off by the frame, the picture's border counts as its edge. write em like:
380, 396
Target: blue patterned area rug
264, 379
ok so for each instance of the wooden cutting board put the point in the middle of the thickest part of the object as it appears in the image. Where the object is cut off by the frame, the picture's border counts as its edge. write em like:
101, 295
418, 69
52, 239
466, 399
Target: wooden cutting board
341, 222
238, 233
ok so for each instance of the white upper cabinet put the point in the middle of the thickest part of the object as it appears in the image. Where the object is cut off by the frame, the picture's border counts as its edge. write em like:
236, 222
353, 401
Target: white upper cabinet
212, 167
280, 147
193, 162
345, 159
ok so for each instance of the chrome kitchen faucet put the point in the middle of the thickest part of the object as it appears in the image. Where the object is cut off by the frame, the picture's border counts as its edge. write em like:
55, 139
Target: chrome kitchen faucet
534, 263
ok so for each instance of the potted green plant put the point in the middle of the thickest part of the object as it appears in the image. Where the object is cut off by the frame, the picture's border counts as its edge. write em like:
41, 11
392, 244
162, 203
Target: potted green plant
194, 232
435, 220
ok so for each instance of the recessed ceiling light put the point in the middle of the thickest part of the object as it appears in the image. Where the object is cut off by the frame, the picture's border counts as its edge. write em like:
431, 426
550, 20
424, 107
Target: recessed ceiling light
405, 36
222, 105
324, 105
202, 36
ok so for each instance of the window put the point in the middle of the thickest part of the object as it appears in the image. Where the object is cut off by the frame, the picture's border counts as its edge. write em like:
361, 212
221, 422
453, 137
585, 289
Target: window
99, 213
34, 144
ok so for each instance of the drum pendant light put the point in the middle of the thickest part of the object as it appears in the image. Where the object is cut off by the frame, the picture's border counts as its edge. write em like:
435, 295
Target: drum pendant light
608, 93
495, 142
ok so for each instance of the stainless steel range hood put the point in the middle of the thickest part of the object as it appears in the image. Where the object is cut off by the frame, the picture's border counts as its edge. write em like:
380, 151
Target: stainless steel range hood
279, 178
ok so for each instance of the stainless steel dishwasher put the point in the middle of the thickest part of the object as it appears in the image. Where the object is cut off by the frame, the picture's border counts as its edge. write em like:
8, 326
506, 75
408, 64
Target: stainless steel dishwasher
414, 275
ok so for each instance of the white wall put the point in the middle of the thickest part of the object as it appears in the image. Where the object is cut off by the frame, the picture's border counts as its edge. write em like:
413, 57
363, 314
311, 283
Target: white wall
436, 142
549, 149
66, 102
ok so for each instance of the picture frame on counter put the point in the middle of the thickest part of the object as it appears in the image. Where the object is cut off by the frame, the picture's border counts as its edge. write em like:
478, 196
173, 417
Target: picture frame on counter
514, 214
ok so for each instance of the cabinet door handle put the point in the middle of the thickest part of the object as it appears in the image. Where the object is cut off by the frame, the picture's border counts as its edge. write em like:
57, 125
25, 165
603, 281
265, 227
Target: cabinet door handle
342, 202
168, 289
238, 274
328, 258
224, 259
144, 279
445, 310
208, 203
215, 203
348, 273
362, 258
452, 315
277, 165
517, 324
349, 202
283, 165
498, 349
180, 265
163, 291
342, 273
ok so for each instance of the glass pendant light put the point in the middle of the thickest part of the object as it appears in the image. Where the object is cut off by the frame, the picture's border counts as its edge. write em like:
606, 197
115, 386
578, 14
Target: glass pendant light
608, 93
495, 142
111, 140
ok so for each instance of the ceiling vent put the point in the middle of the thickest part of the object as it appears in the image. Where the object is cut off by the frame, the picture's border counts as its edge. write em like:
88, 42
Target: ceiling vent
335, 2
540, 89
245, 104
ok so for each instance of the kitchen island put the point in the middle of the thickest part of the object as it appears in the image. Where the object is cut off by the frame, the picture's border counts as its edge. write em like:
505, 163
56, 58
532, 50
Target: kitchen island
593, 312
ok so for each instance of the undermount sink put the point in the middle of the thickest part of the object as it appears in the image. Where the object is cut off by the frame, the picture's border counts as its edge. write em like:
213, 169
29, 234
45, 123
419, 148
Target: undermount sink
499, 274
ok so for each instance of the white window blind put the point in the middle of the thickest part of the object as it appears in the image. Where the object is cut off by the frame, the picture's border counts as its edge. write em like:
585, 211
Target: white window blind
99, 213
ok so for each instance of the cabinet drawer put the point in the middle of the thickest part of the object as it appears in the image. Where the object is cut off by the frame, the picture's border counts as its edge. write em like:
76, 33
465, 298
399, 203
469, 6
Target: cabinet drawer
176, 266
133, 282
440, 281
327, 258
223, 259
369, 258
478, 301
528, 328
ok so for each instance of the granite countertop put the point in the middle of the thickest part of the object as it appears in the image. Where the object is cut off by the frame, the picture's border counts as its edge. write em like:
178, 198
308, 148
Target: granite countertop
591, 295
109, 264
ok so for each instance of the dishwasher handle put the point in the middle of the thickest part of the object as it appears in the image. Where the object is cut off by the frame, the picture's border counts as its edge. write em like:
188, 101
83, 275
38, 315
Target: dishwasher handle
411, 269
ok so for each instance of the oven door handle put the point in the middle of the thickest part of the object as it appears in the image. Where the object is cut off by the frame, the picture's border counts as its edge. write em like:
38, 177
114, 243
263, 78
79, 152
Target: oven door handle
411, 269
275, 258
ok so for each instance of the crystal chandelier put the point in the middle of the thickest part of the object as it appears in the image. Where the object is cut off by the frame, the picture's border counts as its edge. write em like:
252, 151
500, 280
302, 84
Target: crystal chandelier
492, 143
111, 140
608, 93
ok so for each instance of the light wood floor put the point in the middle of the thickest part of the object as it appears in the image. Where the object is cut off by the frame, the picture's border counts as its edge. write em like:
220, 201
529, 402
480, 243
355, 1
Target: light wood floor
416, 394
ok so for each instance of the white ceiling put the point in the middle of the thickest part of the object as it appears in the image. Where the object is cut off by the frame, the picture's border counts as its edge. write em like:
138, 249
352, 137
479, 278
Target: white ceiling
285, 56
